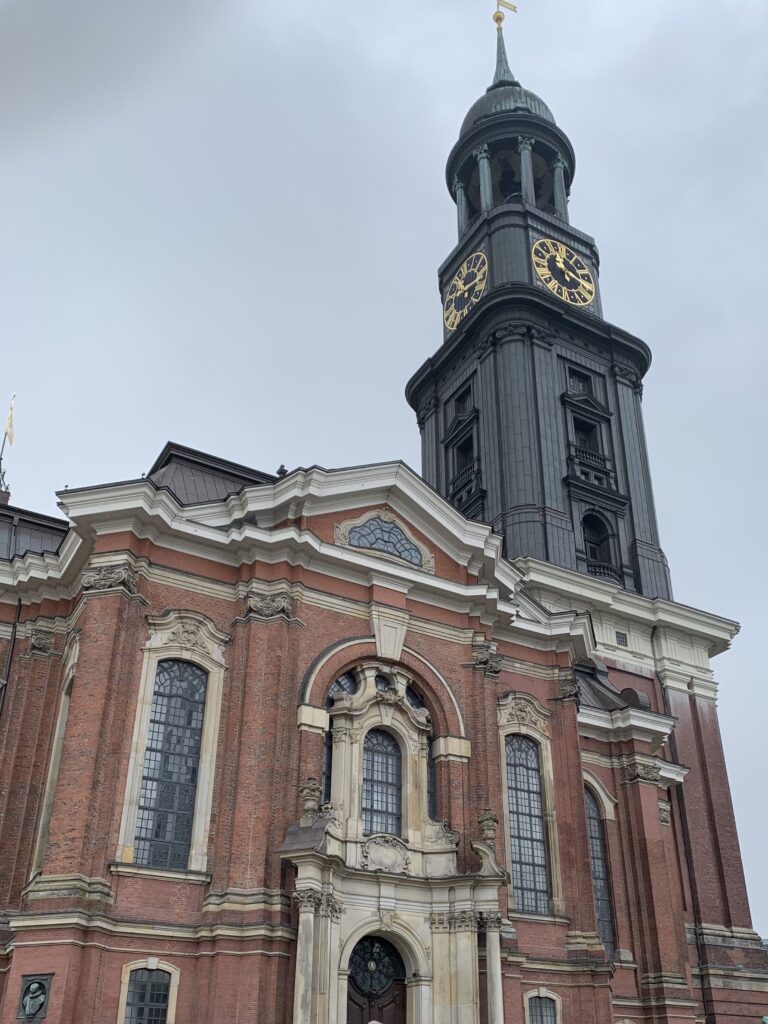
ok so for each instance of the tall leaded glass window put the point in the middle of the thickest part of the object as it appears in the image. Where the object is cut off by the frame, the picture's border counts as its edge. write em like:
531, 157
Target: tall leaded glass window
528, 845
542, 1010
382, 784
600, 880
147, 1001
171, 761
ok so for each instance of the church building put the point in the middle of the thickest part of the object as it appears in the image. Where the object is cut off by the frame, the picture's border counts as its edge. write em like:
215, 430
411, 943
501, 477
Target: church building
359, 745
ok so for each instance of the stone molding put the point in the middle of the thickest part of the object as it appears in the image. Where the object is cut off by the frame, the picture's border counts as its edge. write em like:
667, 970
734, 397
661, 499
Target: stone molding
119, 576
523, 709
188, 631
455, 921
323, 904
486, 658
41, 640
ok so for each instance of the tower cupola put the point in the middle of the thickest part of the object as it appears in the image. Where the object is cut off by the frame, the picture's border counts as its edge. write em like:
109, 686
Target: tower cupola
510, 151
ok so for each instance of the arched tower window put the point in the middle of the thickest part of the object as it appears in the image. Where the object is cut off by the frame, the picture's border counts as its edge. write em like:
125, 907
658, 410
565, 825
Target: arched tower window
542, 1010
382, 784
528, 845
600, 879
171, 761
597, 541
147, 1000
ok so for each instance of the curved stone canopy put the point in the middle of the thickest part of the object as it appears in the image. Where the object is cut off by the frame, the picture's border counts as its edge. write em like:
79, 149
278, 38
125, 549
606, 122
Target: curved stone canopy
506, 99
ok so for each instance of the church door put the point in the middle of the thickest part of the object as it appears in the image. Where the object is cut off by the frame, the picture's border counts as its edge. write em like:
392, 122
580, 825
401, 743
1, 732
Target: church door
376, 984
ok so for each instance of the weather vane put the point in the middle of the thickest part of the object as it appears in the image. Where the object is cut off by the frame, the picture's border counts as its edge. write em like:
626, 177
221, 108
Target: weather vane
499, 15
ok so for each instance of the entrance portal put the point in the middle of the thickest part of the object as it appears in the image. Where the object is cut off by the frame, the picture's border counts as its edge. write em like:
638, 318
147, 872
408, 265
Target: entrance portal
376, 983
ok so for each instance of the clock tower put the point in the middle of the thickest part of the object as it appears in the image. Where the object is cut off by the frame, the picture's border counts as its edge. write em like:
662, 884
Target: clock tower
530, 412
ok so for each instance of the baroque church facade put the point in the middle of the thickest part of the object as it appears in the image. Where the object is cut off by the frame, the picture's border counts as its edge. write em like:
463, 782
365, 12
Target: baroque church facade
353, 746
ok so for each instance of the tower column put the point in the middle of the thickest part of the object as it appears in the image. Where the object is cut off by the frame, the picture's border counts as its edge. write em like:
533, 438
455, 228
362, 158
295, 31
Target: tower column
561, 196
483, 157
462, 207
525, 149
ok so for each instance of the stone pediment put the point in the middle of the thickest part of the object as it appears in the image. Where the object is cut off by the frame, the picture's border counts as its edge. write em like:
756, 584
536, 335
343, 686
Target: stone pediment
586, 403
459, 425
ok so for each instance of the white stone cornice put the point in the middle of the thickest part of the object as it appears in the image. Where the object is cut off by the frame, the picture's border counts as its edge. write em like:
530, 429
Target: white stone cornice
625, 724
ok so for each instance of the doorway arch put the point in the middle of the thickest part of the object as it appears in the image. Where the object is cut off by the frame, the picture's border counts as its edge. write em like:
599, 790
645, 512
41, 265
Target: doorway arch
376, 990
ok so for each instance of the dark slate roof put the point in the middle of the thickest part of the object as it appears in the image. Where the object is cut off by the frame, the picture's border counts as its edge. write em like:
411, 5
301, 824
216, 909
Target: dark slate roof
595, 689
506, 99
23, 532
195, 477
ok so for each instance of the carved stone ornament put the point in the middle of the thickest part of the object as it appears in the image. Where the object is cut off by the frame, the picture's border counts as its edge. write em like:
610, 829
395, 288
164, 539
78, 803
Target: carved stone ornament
569, 688
330, 907
387, 919
309, 900
511, 332
522, 709
486, 659
108, 577
385, 853
665, 812
40, 640
190, 636
269, 606
489, 922
310, 793
440, 833
642, 771
454, 921
34, 997
628, 376
188, 630
488, 823
427, 407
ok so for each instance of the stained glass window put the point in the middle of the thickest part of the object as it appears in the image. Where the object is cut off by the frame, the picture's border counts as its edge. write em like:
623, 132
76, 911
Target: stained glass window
600, 880
542, 1010
530, 874
171, 760
380, 535
147, 1001
382, 784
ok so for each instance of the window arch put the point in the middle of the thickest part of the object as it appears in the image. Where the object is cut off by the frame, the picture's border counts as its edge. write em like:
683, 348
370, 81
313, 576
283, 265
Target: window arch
600, 877
528, 844
171, 760
597, 540
542, 1010
382, 784
147, 998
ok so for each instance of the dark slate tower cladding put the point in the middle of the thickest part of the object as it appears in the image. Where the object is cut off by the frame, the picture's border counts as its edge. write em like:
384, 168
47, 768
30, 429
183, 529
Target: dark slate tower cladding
530, 412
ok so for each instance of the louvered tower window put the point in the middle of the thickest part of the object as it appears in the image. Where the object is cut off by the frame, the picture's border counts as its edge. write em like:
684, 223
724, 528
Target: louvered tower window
528, 845
171, 762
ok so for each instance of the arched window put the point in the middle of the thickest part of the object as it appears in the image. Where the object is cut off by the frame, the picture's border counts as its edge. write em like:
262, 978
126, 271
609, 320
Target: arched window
528, 845
600, 880
147, 1000
597, 542
382, 784
542, 1010
171, 760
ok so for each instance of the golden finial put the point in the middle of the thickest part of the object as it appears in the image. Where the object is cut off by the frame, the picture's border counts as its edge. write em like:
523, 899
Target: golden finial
498, 16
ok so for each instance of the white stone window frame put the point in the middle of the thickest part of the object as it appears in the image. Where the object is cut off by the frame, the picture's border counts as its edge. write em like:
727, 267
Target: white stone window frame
71, 653
522, 714
342, 530
351, 718
150, 963
177, 636
542, 993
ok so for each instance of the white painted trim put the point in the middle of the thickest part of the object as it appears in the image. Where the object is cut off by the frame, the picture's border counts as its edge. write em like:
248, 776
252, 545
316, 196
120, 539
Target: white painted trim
625, 724
150, 963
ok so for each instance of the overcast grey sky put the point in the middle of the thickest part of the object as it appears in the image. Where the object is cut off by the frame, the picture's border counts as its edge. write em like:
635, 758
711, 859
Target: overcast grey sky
221, 220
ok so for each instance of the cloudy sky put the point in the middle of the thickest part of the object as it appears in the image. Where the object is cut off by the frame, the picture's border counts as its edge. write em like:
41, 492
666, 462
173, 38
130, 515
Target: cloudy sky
221, 220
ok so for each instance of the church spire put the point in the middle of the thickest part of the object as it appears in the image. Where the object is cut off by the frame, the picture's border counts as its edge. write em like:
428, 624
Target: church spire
503, 75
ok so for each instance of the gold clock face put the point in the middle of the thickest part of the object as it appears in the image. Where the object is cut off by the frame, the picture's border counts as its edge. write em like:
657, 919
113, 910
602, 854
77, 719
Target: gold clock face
465, 290
565, 274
